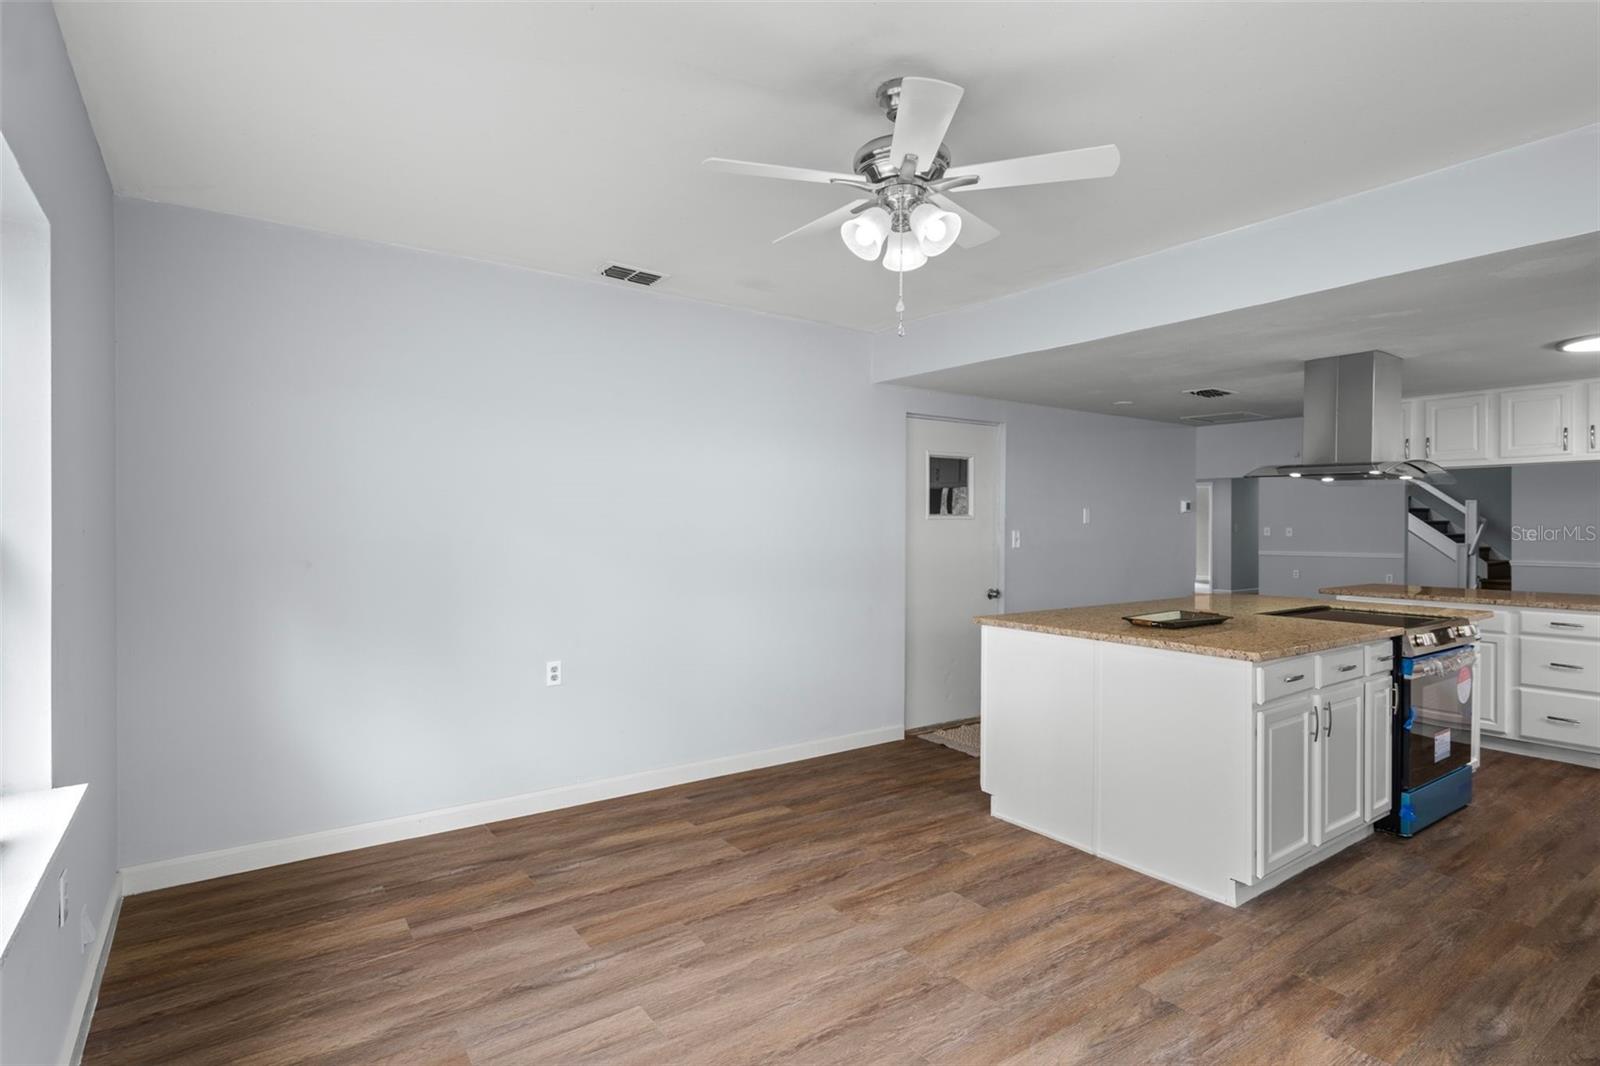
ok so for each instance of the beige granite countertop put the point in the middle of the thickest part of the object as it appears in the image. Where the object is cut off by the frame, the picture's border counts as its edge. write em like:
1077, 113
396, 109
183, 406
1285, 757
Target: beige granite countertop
1250, 633
1550, 601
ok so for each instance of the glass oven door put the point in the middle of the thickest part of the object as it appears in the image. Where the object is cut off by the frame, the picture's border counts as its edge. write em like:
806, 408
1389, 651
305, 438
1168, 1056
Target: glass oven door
1436, 699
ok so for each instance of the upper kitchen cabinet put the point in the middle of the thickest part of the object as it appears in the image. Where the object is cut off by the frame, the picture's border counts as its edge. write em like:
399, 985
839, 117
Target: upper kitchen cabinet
1537, 422
1456, 428
1411, 424
1592, 429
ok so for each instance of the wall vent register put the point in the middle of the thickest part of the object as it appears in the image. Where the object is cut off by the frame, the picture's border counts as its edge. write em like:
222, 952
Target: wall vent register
633, 274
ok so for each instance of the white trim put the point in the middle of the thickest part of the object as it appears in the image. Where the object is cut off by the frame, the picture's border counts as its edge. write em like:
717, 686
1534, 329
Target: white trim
165, 873
1243, 893
1339, 555
1535, 750
1580, 564
89, 990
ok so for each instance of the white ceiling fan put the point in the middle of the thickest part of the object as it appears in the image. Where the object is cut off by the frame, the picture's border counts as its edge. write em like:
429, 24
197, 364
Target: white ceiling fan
905, 211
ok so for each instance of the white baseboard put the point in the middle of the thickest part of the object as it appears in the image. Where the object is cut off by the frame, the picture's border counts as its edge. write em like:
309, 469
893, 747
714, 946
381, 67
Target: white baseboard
166, 873
1590, 759
89, 990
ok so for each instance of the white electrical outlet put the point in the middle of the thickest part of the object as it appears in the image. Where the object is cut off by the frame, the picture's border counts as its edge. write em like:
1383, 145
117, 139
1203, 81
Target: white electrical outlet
1016, 538
1086, 516
552, 672
1388, 579
1288, 531
61, 901
1296, 574
1266, 531
1185, 506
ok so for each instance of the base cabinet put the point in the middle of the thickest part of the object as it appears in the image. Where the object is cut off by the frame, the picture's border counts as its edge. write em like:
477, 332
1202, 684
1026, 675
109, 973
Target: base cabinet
1380, 711
1285, 780
1490, 696
1339, 752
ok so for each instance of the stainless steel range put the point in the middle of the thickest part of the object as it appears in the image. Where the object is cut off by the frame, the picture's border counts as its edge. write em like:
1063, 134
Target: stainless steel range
1431, 707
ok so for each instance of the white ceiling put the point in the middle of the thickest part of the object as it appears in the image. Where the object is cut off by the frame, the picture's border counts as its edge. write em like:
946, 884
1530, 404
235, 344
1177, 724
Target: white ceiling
1481, 323
563, 136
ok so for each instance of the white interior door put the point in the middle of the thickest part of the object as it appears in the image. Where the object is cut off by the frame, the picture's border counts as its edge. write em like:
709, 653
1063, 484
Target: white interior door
1202, 536
953, 536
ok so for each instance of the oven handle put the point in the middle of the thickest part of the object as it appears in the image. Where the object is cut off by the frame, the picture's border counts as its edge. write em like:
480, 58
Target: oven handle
1437, 665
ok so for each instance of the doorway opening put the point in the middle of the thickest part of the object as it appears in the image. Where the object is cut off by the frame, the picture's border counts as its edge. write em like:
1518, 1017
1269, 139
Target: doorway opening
955, 514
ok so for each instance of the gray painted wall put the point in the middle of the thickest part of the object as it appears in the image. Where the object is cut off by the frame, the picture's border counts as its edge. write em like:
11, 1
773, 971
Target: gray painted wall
43, 120
365, 493
1563, 498
1234, 451
1342, 533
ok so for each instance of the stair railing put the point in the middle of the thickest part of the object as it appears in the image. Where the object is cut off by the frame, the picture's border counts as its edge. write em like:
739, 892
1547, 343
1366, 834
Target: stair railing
1471, 525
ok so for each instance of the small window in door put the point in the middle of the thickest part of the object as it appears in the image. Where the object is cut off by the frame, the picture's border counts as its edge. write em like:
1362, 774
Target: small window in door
949, 486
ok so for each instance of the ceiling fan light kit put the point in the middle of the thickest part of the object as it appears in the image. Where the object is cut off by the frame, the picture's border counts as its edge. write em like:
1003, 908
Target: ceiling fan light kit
907, 215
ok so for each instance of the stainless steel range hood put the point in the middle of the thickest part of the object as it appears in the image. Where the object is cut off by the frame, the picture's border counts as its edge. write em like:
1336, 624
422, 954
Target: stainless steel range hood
1354, 430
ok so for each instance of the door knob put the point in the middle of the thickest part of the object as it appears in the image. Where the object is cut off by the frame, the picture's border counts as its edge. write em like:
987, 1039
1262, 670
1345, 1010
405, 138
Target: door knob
994, 594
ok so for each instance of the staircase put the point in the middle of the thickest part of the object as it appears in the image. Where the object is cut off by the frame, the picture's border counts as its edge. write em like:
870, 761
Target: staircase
1443, 540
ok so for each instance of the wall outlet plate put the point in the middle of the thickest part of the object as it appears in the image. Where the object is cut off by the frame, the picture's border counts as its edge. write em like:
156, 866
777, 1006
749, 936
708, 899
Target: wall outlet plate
552, 672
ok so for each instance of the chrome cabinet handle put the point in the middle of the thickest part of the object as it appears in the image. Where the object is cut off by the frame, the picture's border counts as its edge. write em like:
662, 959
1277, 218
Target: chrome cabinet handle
1289, 679
1563, 438
1427, 446
1591, 436
1328, 726
1394, 700
1315, 725
1347, 669
1408, 443
1565, 666
1563, 721
1566, 625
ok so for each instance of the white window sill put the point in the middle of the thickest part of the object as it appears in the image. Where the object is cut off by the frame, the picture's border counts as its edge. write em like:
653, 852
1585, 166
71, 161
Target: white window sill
32, 827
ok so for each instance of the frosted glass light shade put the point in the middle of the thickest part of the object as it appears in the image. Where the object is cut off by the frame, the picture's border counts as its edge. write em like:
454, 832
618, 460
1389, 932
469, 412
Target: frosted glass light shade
902, 254
935, 229
863, 234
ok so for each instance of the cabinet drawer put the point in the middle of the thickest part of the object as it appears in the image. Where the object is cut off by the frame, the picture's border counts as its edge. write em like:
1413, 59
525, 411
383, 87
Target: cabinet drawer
1380, 658
1560, 624
1284, 677
1561, 718
1344, 664
1573, 665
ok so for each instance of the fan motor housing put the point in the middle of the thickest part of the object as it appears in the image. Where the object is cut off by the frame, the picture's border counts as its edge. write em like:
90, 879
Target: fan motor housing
872, 161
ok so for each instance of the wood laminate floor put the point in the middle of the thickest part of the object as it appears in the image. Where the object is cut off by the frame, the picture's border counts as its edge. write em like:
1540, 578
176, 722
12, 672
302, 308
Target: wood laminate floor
864, 908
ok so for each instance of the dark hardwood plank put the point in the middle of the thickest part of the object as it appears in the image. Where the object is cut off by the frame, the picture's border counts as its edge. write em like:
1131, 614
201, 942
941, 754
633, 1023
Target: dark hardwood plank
865, 908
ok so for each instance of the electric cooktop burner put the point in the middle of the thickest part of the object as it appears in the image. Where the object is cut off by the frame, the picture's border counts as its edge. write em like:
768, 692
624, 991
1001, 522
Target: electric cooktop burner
1423, 632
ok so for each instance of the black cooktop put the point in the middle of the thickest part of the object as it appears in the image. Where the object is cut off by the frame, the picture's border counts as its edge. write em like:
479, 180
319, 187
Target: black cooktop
1324, 613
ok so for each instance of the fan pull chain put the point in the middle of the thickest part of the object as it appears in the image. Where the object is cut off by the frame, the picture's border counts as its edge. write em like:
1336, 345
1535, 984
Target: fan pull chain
900, 304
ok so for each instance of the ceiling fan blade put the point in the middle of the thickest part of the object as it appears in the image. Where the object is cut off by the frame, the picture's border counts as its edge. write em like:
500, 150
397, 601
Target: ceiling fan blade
773, 170
974, 230
1072, 165
831, 220
922, 116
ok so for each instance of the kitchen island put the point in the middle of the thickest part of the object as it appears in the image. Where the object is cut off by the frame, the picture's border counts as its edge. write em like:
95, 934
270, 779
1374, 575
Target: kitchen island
1222, 759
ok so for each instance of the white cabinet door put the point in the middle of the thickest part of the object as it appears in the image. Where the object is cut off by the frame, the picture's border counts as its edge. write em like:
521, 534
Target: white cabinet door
1536, 422
1341, 753
1379, 741
1489, 697
1285, 767
1411, 423
1456, 428
1591, 430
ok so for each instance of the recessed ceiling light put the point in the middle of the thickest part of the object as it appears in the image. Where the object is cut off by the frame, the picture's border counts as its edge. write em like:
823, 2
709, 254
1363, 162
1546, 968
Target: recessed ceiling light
1327, 479
1581, 344
1121, 403
1294, 473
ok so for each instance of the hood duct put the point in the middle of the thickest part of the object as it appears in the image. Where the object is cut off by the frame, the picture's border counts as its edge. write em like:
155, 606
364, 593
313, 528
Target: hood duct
1354, 429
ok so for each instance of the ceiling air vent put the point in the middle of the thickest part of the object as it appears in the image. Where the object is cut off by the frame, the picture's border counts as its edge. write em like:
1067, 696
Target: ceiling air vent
1221, 418
633, 274
1209, 394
